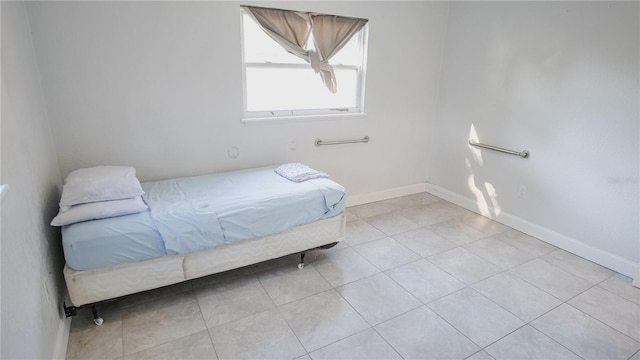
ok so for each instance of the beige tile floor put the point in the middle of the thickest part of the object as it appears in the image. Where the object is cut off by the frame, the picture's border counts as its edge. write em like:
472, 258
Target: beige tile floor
416, 278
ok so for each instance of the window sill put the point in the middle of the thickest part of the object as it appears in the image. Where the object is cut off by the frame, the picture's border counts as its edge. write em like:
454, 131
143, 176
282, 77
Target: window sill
300, 118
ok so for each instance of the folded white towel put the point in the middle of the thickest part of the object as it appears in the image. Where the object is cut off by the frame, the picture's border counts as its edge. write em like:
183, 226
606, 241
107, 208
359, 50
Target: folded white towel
298, 172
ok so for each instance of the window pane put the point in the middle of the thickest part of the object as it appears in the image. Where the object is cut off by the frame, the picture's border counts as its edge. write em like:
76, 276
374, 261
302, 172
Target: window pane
273, 89
350, 53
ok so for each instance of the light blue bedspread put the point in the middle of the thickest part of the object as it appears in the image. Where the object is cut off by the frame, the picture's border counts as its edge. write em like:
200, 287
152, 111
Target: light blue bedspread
106, 242
195, 213
191, 214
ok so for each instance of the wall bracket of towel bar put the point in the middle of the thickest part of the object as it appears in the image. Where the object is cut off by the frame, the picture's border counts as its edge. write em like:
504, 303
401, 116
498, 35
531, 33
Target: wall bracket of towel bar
523, 153
337, 142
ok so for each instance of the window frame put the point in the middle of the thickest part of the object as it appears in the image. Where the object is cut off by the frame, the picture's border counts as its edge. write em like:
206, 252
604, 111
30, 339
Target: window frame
305, 114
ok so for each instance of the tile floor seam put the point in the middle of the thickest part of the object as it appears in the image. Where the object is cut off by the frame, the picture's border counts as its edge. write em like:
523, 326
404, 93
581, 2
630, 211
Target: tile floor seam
298, 338
582, 260
356, 310
420, 304
404, 288
170, 341
511, 332
213, 344
438, 315
387, 341
578, 294
541, 258
529, 324
489, 260
608, 278
350, 282
325, 278
476, 353
391, 235
549, 336
594, 319
452, 326
238, 319
273, 301
613, 293
532, 284
292, 331
499, 305
598, 320
543, 314
458, 278
344, 338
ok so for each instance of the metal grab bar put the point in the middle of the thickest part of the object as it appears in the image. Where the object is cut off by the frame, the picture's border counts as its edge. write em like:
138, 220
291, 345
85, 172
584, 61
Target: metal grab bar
336, 142
523, 153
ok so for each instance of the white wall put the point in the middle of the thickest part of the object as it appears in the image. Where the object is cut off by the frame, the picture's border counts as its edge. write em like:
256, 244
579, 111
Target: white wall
32, 289
561, 80
157, 85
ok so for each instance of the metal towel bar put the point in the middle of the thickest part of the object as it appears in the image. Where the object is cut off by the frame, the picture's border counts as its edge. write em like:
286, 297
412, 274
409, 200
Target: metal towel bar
523, 153
336, 142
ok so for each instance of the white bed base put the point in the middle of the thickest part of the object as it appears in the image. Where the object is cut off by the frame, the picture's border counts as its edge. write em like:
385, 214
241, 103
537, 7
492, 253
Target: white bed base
96, 285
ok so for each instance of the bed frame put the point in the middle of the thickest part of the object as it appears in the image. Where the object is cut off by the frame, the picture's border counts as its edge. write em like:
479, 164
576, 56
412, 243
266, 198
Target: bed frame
90, 287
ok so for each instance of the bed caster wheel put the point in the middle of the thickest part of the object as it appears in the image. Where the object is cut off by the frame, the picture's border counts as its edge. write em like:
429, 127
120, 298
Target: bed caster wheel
301, 264
98, 321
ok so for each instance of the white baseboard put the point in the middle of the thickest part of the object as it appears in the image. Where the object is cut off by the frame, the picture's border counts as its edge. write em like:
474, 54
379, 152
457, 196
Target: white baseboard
359, 199
599, 256
62, 339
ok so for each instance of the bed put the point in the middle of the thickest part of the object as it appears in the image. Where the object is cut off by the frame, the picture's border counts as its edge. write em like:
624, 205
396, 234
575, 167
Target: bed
197, 226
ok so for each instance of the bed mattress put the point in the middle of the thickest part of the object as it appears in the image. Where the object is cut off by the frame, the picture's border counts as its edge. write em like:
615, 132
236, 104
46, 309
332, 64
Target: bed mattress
196, 213
91, 286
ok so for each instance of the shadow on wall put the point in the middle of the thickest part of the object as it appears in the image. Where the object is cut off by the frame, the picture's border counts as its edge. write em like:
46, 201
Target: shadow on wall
486, 198
54, 262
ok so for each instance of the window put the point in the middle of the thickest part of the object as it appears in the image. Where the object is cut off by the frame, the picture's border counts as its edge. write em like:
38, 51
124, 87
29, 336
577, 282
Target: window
278, 84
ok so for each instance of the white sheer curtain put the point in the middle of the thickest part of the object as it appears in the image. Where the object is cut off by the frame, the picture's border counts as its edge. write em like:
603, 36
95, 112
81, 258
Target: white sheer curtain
291, 30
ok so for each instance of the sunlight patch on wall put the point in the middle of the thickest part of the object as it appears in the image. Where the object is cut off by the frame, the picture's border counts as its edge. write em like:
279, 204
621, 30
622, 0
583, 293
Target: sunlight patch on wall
475, 152
491, 191
489, 194
480, 201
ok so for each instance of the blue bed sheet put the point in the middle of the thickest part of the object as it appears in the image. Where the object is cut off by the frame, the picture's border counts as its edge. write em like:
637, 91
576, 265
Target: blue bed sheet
194, 213
112, 241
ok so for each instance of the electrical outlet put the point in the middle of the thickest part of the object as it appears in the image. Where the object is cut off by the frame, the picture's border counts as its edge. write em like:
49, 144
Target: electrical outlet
523, 191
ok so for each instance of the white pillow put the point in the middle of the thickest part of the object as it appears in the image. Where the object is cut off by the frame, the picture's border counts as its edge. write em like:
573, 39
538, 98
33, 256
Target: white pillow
99, 210
100, 183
